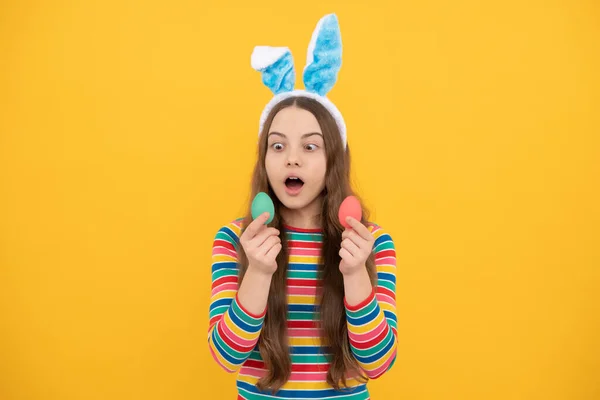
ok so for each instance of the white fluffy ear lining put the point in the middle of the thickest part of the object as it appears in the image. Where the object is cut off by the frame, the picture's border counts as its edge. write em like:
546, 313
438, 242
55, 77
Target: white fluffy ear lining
265, 56
276, 66
324, 57
310, 54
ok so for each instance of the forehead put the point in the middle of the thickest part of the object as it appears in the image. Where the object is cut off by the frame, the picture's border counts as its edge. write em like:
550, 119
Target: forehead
294, 121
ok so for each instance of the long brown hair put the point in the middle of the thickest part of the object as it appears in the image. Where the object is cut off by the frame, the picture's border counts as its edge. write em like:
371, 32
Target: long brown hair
273, 341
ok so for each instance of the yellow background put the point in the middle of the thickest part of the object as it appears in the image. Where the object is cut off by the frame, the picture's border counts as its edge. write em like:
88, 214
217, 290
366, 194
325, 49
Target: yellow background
127, 134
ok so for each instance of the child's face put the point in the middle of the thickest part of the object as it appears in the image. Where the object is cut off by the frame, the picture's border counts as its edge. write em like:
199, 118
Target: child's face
296, 150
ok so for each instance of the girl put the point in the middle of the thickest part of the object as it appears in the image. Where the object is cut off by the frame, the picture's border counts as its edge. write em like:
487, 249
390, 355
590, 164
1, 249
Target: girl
302, 307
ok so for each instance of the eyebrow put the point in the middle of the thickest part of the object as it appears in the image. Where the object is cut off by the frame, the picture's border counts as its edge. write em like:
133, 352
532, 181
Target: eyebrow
303, 136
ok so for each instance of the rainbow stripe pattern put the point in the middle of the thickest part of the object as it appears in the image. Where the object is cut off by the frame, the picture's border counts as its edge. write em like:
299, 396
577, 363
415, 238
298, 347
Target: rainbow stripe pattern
233, 331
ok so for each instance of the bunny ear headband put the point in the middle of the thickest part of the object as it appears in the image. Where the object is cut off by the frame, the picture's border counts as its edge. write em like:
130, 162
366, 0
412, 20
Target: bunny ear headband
323, 63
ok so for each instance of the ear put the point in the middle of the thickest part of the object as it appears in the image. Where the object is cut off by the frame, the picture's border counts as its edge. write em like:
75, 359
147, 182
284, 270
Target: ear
276, 66
324, 58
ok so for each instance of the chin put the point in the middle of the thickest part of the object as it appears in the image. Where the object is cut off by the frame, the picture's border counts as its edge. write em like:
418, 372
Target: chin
295, 202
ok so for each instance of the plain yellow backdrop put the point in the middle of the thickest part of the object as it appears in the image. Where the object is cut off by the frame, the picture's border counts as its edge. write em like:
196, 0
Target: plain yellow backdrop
127, 134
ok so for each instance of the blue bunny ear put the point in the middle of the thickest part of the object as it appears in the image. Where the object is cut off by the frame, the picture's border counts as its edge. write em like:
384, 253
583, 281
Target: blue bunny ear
276, 66
324, 58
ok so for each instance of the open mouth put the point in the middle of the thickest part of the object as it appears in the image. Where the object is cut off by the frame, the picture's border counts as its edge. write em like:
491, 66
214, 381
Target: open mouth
294, 183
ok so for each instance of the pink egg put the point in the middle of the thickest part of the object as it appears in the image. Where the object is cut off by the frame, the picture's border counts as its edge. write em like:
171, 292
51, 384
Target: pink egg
350, 207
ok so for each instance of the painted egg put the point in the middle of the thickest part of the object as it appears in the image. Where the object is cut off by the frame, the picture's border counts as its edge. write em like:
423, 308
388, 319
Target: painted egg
350, 207
263, 203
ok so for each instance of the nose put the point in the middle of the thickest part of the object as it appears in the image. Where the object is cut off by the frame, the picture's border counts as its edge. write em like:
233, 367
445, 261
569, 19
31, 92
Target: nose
293, 159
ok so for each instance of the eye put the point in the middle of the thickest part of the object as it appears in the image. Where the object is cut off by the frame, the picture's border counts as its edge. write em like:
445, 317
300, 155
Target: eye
311, 147
277, 146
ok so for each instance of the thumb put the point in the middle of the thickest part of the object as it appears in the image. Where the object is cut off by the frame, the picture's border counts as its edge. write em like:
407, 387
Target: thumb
256, 226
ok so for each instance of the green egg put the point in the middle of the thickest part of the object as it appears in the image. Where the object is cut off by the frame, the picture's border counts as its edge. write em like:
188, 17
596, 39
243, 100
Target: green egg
263, 203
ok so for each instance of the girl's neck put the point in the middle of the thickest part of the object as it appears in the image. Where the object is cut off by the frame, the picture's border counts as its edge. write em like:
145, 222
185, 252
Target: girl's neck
308, 217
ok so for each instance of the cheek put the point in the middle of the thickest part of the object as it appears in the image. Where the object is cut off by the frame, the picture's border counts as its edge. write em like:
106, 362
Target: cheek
271, 165
320, 167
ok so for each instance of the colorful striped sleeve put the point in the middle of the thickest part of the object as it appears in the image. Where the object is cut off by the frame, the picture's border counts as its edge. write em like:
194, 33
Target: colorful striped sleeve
233, 331
372, 324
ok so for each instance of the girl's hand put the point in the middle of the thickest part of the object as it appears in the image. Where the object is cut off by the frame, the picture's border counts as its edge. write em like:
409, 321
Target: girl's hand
261, 245
357, 245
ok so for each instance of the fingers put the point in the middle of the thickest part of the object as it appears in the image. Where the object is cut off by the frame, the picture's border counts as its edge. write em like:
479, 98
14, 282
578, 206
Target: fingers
351, 247
351, 235
345, 254
269, 244
359, 228
274, 251
263, 235
256, 226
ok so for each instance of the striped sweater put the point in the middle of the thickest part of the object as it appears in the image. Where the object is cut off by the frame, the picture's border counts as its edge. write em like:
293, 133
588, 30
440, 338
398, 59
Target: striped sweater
233, 331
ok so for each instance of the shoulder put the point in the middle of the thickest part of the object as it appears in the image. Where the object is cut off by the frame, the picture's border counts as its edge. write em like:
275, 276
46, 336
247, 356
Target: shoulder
230, 232
383, 239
